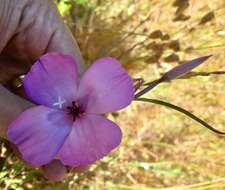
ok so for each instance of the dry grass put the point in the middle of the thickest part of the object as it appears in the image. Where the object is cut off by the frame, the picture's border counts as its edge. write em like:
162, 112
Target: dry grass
161, 149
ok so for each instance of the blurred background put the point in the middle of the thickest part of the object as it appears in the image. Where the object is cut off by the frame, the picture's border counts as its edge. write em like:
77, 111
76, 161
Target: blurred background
161, 149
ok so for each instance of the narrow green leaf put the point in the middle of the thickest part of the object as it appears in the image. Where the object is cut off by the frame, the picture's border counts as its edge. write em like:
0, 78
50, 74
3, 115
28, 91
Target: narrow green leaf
185, 112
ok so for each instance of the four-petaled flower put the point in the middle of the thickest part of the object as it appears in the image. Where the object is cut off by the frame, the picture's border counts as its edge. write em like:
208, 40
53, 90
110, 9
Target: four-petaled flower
67, 123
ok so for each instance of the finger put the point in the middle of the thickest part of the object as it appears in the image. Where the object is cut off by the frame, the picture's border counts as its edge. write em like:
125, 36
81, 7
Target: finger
55, 170
11, 106
34, 37
63, 41
42, 30
10, 69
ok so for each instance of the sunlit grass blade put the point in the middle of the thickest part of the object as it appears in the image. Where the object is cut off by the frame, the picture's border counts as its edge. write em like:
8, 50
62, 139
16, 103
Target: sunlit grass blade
174, 73
185, 112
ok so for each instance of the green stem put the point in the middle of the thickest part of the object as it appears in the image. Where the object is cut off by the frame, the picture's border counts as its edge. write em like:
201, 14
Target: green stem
185, 112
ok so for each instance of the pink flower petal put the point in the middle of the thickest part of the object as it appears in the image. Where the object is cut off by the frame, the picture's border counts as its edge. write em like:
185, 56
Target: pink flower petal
105, 87
91, 138
52, 80
39, 133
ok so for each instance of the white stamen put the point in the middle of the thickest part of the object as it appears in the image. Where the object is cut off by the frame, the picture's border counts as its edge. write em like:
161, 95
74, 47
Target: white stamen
60, 102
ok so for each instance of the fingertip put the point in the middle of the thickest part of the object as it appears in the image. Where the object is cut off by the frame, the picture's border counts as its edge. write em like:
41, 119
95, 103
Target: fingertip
54, 171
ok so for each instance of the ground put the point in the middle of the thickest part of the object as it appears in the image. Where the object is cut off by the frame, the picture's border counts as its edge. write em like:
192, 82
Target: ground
161, 148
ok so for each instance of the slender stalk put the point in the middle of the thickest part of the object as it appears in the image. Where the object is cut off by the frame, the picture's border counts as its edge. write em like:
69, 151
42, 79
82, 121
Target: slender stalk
185, 112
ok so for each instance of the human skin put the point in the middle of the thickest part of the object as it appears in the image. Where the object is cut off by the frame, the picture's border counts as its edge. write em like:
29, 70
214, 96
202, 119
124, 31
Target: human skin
29, 29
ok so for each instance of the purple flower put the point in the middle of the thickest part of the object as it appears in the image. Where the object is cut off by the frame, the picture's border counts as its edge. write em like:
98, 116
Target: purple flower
68, 123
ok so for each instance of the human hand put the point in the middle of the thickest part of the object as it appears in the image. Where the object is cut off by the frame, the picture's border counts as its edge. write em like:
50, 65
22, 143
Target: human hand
29, 29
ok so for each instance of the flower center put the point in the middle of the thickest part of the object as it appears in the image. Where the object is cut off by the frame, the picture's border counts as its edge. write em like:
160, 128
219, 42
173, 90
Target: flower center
75, 110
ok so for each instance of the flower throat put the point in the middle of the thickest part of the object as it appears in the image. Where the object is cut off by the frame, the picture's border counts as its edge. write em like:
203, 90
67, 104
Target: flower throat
75, 110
